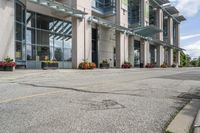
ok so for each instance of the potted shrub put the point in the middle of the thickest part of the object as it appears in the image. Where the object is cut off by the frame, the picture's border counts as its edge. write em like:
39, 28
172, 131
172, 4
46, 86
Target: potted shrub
2, 65
150, 65
163, 65
104, 64
174, 65
49, 64
87, 65
126, 65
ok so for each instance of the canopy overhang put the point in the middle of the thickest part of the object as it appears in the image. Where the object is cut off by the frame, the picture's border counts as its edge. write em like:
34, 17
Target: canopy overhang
171, 9
60, 7
168, 9
180, 18
147, 31
111, 25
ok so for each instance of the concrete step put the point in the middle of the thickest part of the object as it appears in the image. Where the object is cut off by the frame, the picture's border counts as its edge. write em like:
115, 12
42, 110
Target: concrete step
184, 120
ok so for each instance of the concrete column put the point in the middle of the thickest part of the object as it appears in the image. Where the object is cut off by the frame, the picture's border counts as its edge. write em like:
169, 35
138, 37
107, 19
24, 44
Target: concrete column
145, 52
171, 57
178, 34
7, 29
160, 23
144, 12
178, 58
131, 50
170, 29
160, 48
81, 34
121, 38
160, 55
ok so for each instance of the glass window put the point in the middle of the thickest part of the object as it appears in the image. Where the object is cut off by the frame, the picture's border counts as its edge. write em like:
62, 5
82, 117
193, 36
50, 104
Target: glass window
44, 22
30, 36
18, 53
30, 19
19, 31
43, 37
68, 49
18, 12
31, 52
43, 52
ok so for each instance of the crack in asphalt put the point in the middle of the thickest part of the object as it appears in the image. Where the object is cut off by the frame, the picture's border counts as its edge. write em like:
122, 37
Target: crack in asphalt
79, 90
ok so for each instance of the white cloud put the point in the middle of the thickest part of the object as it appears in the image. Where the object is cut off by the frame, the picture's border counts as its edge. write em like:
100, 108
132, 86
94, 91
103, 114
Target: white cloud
188, 8
189, 36
193, 49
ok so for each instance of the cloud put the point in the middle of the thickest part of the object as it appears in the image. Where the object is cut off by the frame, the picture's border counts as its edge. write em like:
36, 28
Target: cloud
193, 49
189, 36
188, 8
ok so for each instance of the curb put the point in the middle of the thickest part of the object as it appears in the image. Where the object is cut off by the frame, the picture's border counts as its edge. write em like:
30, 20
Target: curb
184, 120
197, 123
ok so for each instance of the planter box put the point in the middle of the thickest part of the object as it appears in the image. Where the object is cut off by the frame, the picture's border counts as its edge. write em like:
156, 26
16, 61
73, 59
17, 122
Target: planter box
46, 66
104, 66
1, 68
8, 68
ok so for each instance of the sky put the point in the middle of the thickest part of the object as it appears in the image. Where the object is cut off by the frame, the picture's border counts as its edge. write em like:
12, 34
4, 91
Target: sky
190, 29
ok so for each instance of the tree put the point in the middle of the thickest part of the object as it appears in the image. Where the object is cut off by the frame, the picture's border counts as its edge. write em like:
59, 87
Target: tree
198, 62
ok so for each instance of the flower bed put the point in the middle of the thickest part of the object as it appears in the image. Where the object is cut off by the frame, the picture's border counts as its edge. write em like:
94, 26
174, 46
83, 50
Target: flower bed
150, 65
87, 65
104, 64
7, 66
126, 65
49, 65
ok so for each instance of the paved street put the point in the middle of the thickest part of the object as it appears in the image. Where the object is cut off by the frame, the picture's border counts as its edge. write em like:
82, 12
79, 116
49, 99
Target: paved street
114, 100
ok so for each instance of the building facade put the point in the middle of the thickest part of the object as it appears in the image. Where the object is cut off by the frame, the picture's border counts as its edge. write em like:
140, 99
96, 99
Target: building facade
138, 31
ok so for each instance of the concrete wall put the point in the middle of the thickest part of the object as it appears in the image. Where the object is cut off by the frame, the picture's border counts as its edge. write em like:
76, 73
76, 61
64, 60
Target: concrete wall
7, 29
106, 45
121, 38
81, 34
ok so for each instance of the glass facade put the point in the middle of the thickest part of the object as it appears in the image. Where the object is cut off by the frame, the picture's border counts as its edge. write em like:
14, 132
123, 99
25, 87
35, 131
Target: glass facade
40, 37
134, 12
104, 7
137, 53
20, 53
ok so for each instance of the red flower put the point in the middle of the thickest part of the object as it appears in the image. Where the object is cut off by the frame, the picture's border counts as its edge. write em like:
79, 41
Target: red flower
7, 64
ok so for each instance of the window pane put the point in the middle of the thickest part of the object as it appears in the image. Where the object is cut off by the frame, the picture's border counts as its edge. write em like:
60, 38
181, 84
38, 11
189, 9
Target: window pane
43, 37
30, 36
31, 52
18, 12
43, 53
58, 44
18, 32
44, 22
18, 53
68, 49
30, 19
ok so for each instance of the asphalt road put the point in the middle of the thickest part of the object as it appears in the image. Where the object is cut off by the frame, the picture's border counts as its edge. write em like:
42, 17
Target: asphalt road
114, 100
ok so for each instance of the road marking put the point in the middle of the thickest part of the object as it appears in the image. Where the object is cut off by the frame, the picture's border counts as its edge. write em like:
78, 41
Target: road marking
31, 96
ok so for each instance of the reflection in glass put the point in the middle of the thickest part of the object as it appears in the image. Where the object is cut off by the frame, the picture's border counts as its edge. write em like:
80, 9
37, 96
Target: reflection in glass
31, 52
43, 53
19, 31
30, 19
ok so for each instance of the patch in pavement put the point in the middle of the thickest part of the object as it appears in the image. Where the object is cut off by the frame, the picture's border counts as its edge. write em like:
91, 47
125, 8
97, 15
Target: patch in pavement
193, 75
101, 105
190, 95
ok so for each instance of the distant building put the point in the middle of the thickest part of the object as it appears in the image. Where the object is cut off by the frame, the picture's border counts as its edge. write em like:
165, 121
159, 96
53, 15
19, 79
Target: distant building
138, 31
